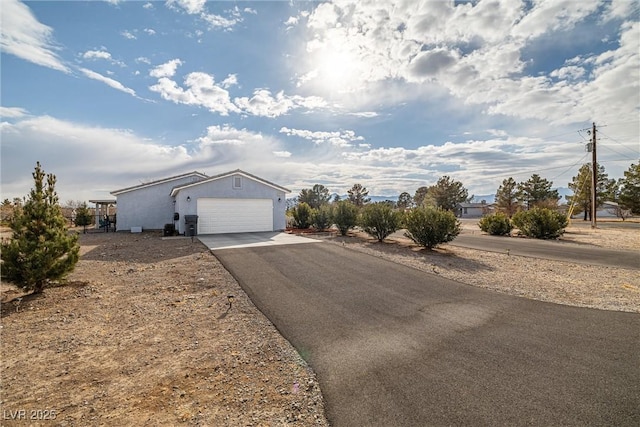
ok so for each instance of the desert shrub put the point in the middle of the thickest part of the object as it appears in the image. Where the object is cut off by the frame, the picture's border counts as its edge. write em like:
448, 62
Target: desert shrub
40, 250
379, 220
322, 217
430, 227
540, 223
497, 224
302, 215
345, 216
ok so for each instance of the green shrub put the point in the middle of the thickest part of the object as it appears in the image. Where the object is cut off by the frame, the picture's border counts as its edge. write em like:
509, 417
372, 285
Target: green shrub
379, 220
322, 217
302, 215
429, 226
540, 223
345, 216
40, 250
497, 224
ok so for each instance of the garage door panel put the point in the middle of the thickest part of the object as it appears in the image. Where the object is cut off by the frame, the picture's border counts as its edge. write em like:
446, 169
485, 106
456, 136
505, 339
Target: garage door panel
234, 215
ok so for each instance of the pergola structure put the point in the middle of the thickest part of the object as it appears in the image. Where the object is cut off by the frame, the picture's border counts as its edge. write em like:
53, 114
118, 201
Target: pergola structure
103, 208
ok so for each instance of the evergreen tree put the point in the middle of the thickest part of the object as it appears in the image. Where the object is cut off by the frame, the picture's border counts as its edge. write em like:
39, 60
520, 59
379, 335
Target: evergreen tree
537, 190
421, 193
358, 195
447, 193
315, 197
404, 201
507, 197
83, 216
581, 187
40, 250
629, 195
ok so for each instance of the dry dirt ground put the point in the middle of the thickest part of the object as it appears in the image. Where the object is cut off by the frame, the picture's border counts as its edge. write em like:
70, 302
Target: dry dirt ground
142, 334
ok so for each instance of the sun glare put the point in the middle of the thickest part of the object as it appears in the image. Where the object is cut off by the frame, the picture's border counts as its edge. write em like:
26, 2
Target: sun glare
337, 71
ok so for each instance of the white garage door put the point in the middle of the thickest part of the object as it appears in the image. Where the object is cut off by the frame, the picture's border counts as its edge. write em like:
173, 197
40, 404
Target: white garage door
217, 216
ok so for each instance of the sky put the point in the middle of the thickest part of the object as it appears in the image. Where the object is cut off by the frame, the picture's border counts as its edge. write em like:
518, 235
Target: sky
390, 94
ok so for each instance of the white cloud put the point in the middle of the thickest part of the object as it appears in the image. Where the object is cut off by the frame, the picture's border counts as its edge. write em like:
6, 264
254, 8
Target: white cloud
475, 51
24, 36
201, 90
231, 80
148, 6
217, 21
365, 114
282, 154
150, 31
97, 54
168, 69
101, 54
12, 112
128, 35
108, 81
336, 138
190, 6
143, 59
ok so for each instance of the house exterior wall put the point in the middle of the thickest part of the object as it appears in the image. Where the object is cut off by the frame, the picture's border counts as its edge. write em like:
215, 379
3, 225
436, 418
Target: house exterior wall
149, 207
472, 212
223, 188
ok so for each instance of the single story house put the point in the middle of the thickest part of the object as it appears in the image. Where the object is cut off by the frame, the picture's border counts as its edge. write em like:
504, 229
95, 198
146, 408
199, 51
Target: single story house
232, 202
473, 210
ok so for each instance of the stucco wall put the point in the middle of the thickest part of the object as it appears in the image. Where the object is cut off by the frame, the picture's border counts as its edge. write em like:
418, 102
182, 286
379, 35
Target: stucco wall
223, 188
150, 207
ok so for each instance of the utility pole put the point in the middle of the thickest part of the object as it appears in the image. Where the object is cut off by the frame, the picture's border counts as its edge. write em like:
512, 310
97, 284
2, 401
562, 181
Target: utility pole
594, 179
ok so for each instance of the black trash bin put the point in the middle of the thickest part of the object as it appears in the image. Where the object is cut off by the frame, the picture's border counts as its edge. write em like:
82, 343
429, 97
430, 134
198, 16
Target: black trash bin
190, 225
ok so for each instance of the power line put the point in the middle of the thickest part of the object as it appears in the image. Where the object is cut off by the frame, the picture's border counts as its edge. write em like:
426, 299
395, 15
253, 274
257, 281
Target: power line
570, 167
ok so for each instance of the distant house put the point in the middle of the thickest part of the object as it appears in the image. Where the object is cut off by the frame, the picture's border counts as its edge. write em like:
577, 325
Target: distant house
232, 202
473, 210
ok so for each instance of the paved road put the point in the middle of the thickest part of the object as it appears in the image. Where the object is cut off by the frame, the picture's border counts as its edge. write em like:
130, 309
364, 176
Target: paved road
393, 346
550, 250
546, 249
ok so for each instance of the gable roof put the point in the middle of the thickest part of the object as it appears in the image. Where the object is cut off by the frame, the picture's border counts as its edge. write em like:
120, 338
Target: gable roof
227, 174
160, 181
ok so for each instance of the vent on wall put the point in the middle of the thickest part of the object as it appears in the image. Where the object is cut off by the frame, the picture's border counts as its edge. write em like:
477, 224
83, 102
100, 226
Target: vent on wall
237, 182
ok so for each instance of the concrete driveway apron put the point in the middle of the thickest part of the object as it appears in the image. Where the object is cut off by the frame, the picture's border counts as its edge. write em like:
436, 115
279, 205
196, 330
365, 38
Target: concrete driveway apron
251, 240
394, 346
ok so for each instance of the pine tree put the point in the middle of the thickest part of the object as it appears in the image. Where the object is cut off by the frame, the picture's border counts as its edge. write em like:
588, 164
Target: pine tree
447, 193
581, 187
630, 189
404, 201
315, 197
83, 216
507, 197
358, 195
40, 250
537, 190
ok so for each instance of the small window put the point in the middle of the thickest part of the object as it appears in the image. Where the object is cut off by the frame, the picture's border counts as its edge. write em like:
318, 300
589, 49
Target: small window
237, 182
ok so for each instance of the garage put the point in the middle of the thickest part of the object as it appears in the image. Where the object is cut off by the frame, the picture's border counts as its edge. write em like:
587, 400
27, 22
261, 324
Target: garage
224, 215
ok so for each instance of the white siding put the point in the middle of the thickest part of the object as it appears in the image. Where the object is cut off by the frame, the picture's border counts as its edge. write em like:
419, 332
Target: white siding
218, 215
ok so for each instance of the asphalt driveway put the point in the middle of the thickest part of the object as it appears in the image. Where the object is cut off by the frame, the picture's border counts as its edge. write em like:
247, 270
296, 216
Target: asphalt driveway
393, 346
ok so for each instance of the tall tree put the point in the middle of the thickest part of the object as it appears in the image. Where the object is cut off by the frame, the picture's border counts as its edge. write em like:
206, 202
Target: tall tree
447, 193
404, 201
537, 190
358, 195
581, 187
315, 197
421, 193
41, 249
507, 197
629, 195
